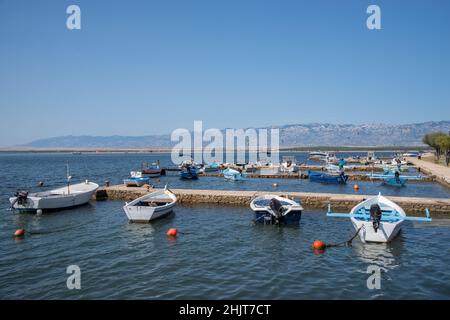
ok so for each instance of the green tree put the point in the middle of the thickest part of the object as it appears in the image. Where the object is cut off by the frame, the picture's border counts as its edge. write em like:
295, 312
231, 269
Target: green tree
435, 140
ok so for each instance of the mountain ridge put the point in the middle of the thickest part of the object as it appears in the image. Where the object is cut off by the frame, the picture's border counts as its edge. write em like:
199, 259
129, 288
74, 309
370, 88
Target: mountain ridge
291, 135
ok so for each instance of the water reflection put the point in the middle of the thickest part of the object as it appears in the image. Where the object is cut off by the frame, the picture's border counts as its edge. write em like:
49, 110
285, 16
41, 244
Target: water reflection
384, 255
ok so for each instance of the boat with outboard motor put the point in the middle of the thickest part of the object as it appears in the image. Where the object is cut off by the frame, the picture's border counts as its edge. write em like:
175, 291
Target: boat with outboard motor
56, 199
289, 164
325, 177
136, 179
188, 172
61, 198
152, 171
378, 219
274, 209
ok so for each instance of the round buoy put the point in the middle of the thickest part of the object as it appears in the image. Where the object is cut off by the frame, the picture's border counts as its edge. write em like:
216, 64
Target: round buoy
40, 184
275, 185
356, 187
19, 233
39, 212
172, 232
319, 245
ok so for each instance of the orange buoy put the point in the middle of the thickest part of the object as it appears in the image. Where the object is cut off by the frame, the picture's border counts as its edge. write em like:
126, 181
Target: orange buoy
319, 245
356, 187
19, 233
172, 232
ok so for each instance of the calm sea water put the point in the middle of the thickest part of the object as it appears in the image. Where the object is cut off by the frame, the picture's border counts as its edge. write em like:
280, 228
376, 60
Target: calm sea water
219, 252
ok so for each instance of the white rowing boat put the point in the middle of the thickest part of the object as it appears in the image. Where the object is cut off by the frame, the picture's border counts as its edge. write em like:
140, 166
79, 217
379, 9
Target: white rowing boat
151, 206
377, 219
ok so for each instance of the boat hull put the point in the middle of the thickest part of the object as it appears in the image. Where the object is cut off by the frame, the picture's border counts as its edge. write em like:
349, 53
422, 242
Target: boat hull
136, 182
327, 178
393, 182
151, 206
386, 232
152, 173
292, 218
144, 215
234, 175
189, 175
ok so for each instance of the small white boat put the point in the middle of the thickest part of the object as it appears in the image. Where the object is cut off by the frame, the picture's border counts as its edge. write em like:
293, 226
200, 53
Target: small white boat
289, 164
61, 198
317, 155
136, 179
410, 154
378, 219
274, 209
151, 206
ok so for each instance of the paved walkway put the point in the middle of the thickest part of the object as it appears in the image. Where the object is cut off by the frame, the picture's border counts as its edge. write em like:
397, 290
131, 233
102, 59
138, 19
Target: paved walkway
438, 170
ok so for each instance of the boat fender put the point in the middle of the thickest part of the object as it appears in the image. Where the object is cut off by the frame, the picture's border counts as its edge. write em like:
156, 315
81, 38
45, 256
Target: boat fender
172, 232
375, 215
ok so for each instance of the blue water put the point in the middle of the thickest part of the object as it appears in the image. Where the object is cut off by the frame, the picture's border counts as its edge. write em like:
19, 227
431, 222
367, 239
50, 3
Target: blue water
218, 254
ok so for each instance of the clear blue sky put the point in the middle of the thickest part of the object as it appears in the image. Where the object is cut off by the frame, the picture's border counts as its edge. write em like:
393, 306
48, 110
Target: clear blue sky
146, 67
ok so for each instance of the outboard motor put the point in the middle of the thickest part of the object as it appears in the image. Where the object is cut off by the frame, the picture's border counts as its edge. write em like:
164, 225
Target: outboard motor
375, 215
21, 198
277, 209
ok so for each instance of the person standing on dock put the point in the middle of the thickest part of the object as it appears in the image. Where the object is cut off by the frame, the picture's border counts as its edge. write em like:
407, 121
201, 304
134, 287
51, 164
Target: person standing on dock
447, 157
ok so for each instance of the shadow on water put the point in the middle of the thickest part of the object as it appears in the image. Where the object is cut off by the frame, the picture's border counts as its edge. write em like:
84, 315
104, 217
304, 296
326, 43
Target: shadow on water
148, 229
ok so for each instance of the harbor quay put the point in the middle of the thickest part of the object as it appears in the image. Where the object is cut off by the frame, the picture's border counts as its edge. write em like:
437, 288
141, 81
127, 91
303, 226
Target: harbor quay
309, 200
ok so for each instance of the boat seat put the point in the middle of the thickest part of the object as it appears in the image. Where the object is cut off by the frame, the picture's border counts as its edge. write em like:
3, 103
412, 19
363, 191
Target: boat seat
387, 215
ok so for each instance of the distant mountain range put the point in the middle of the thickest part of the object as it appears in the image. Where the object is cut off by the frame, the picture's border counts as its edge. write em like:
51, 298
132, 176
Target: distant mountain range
294, 135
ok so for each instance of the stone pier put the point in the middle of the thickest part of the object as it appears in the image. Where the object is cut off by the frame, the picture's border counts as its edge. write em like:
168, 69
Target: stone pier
309, 200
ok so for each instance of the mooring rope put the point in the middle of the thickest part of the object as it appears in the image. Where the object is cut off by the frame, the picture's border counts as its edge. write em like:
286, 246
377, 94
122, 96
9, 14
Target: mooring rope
347, 243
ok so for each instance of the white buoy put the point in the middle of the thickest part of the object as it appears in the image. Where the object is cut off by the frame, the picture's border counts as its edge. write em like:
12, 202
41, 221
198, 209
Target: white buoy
39, 212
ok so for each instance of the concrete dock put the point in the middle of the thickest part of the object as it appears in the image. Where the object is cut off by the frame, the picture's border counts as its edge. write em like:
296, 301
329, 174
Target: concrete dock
441, 172
302, 175
411, 205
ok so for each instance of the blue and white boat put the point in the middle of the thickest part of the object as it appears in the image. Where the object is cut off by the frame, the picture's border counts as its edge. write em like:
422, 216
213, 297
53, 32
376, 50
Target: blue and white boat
152, 171
231, 174
378, 219
188, 173
273, 209
324, 177
136, 179
395, 181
